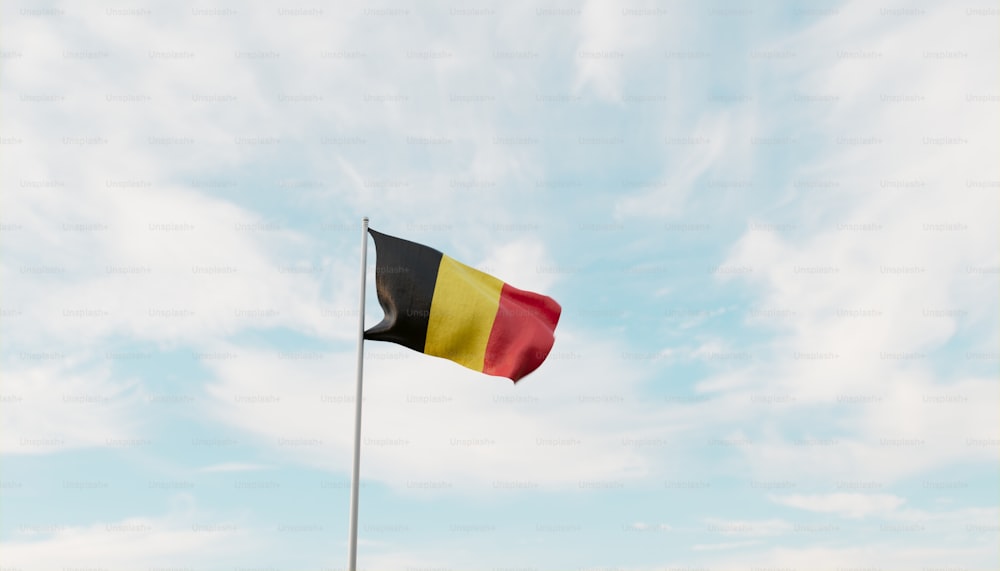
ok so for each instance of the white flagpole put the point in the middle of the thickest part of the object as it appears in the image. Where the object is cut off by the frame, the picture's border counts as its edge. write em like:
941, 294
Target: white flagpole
352, 544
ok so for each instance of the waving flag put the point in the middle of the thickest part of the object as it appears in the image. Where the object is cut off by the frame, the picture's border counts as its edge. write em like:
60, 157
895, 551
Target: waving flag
439, 306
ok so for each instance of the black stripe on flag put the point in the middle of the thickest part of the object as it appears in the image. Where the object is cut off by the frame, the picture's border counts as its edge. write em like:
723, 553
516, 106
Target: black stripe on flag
405, 276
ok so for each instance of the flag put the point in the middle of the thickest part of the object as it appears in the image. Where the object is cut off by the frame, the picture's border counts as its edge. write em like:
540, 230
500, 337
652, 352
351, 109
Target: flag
439, 306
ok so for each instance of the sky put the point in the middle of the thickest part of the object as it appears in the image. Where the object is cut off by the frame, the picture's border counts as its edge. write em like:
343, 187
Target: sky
772, 228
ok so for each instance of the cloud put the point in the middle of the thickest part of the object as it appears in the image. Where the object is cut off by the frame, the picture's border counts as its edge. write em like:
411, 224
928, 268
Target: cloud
234, 467
177, 539
643, 526
687, 163
846, 505
612, 39
724, 546
748, 528
167, 265
50, 408
967, 537
872, 280
877, 554
429, 420
523, 263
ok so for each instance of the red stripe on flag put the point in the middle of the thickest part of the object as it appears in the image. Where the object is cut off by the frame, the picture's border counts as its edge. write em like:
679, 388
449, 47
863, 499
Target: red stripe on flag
522, 333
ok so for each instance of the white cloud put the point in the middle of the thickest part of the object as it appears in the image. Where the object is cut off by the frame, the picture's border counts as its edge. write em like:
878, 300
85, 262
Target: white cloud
643, 526
252, 251
878, 555
963, 538
846, 505
429, 420
872, 287
686, 164
612, 39
49, 408
748, 528
723, 546
186, 538
234, 467
523, 264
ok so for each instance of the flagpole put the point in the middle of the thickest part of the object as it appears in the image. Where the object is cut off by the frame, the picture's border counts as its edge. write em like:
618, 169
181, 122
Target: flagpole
352, 544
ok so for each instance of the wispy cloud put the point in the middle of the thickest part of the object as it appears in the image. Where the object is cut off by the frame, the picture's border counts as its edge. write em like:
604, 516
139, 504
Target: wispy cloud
177, 539
847, 505
235, 467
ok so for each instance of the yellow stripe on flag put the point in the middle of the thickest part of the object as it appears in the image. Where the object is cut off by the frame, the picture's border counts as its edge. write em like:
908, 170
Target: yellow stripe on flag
462, 312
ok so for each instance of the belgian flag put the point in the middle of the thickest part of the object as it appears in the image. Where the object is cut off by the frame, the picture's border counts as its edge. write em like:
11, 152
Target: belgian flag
442, 307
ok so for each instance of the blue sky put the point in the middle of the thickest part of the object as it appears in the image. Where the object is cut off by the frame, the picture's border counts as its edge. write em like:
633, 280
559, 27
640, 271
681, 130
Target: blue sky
772, 230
